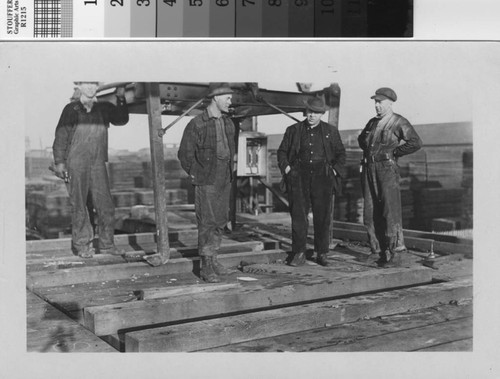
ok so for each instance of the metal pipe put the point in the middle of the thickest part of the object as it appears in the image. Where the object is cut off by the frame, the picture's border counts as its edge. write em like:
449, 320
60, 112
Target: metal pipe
278, 109
162, 132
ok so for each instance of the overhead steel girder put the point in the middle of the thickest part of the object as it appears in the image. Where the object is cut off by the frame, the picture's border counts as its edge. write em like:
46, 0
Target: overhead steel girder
248, 100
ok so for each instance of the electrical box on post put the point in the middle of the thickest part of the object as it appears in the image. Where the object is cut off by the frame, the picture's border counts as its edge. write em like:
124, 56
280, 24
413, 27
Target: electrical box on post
252, 154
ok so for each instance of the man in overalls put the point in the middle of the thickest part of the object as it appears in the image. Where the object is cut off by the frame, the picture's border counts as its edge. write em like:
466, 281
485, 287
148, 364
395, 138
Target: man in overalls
80, 152
386, 137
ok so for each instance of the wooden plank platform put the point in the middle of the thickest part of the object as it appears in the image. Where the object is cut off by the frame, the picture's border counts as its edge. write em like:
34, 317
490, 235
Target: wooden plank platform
200, 335
136, 307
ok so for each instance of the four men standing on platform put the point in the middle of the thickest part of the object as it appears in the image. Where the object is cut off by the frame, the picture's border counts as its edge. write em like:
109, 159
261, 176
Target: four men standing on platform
311, 158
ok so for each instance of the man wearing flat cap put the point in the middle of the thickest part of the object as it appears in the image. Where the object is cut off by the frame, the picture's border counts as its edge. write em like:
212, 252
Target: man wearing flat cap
387, 137
311, 157
80, 154
206, 154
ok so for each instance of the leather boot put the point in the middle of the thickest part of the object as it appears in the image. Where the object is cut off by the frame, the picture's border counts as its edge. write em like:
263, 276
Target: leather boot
298, 259
219, 268
376, 258
207, 272
395, 260
322, 261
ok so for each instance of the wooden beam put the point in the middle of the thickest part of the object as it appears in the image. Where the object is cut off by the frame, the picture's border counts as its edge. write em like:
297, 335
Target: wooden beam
51, 262
206, 334
410, 242
462, 345
50, 278
120, 240
408, 233
154, 109
349, 332
50, 330
163, 292
410, 340
109, 319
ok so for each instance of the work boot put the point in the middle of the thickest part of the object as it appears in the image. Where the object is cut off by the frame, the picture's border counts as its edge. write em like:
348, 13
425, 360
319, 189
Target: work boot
112, 251
376, 257
219, 268
86, 252
298, 259
322, 261
207, 272
394, 260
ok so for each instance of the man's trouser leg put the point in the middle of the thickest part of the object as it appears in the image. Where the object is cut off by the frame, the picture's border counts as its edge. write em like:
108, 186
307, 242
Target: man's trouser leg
81, 229
299, 203
371, 211
103, 203
212, 211
391, 205
321, 202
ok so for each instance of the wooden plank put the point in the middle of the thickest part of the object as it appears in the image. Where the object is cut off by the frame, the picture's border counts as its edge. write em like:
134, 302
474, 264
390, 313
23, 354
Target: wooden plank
460, 345
73, 299
120, 240
111, 318
51, 263
49, 330
410, 340
410, 242
229, 330
407, 232
160, 293
310, 340
125, 270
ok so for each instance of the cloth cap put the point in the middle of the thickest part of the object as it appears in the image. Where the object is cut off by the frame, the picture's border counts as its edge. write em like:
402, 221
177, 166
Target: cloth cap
216, 89
385, 93
315, 104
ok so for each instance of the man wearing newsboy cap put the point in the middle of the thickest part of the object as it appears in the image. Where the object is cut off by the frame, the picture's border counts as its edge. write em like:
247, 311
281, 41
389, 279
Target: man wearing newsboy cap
386, 137
206, 154
80, 153
311, 158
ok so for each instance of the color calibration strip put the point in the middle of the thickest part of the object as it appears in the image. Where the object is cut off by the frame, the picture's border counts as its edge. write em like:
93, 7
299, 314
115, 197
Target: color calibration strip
88, 19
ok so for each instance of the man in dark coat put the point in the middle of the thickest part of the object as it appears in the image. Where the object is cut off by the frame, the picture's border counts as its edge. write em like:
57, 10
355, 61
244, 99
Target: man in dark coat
80, 153
386, 137
206, 154
311, 157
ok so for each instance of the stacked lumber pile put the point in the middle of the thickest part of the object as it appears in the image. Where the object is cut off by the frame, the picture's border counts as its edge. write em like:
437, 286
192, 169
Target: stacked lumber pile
48, 212
127, 199
125, 174
432, 203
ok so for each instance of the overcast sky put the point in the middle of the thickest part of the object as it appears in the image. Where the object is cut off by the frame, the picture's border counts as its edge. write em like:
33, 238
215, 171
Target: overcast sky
432, 80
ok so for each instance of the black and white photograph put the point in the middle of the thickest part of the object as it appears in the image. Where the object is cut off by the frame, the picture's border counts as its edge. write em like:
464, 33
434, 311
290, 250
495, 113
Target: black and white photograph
336, 198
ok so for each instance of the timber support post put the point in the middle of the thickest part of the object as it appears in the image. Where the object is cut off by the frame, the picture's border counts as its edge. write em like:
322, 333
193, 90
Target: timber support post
154, 109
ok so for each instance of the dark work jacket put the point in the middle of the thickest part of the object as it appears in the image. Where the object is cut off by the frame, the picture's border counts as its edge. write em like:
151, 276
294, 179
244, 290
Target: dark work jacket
288, 152
102, 113
198, 150
396, 128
